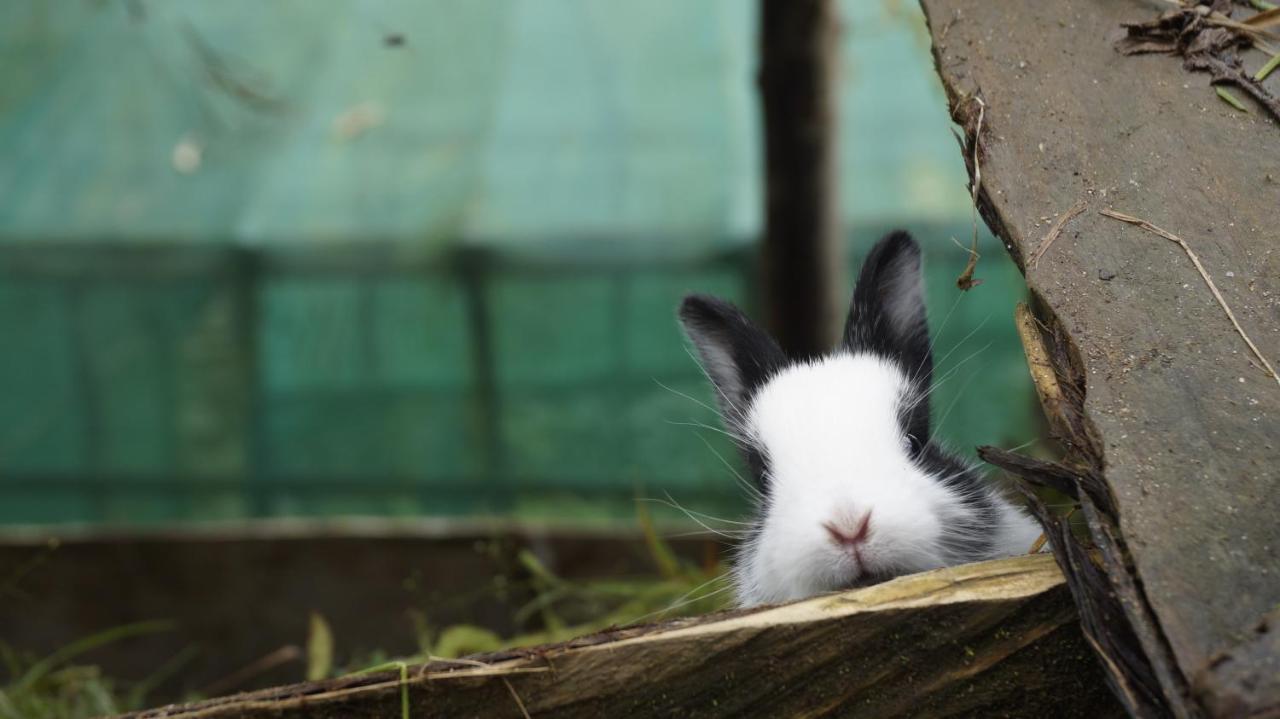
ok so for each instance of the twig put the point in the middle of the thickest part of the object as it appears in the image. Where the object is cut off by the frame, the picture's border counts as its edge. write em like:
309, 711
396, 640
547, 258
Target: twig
1226, 74
965, 281
1044, 375
1056, 230
481, 669
1044, 537
1252, 32
515, 696
283, 655
973, 261
1038, 544
1207, 280
1207, 42
493, 672
1266, 18
461, 660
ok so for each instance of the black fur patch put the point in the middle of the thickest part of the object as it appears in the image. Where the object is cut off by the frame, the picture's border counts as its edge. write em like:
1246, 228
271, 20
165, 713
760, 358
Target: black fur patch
887, 318
971, 536
739, 357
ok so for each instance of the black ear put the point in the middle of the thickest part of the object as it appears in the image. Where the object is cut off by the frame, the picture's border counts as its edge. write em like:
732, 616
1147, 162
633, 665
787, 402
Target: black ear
887, 316
737, 355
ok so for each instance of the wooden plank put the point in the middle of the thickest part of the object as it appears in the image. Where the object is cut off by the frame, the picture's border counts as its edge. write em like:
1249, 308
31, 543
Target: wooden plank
1177, 430
801, 259
990, 639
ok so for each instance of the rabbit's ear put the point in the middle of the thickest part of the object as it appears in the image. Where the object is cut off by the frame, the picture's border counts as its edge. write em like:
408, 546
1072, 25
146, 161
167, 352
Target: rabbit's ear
887, 315
737, 355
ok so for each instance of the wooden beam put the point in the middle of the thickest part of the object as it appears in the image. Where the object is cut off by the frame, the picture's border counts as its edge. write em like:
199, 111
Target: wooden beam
802, 258
991, 639
1169, 424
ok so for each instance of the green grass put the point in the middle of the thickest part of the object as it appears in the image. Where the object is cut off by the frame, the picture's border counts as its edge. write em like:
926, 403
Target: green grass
56, 687
561, 608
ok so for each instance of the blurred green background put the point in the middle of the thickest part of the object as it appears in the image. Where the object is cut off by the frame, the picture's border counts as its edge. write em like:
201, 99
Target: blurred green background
422, 257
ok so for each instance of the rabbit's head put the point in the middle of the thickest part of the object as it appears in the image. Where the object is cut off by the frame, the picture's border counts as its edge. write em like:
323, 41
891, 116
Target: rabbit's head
853, 489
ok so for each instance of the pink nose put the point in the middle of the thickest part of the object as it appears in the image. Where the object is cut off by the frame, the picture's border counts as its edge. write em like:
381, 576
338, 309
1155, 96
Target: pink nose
850, 534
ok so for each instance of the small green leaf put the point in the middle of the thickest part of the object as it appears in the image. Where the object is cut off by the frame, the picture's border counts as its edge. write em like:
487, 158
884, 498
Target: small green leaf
1266, 69
319, 649
463, 639
1230, 99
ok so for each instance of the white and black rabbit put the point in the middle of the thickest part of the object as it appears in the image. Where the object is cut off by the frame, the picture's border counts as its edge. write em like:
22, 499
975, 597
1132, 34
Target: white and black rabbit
854, 490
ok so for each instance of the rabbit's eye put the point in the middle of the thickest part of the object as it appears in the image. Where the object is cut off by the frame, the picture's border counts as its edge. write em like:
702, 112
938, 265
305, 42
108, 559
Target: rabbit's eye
912, 445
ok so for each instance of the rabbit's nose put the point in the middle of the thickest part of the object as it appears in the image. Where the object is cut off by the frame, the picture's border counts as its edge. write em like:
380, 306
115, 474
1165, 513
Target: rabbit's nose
849, 532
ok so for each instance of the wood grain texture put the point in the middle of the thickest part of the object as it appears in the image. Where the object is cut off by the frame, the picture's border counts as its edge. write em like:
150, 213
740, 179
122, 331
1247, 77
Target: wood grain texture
1187, 425
991, 639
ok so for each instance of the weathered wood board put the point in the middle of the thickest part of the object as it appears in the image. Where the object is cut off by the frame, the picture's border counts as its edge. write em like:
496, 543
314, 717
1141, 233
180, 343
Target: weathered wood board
1180, 422
991, 639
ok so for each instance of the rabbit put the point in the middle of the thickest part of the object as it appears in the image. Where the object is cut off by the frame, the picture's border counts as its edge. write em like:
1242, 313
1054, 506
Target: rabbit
852, 488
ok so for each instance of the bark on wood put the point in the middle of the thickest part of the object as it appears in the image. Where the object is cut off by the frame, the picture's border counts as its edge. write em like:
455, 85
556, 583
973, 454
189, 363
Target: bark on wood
991, 639
1169, 426
802, 262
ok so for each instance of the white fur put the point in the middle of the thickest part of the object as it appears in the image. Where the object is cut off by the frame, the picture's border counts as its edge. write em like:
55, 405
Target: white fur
835, 450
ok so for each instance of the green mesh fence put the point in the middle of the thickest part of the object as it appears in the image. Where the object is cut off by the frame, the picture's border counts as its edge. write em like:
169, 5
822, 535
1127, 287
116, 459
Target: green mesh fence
419, 257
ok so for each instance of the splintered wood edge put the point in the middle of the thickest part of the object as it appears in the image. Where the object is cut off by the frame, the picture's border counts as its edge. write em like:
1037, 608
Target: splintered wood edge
998, 580
995, 580
1043, 375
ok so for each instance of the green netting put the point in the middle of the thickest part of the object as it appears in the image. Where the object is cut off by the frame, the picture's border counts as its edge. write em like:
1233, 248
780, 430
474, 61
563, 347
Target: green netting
429, 257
